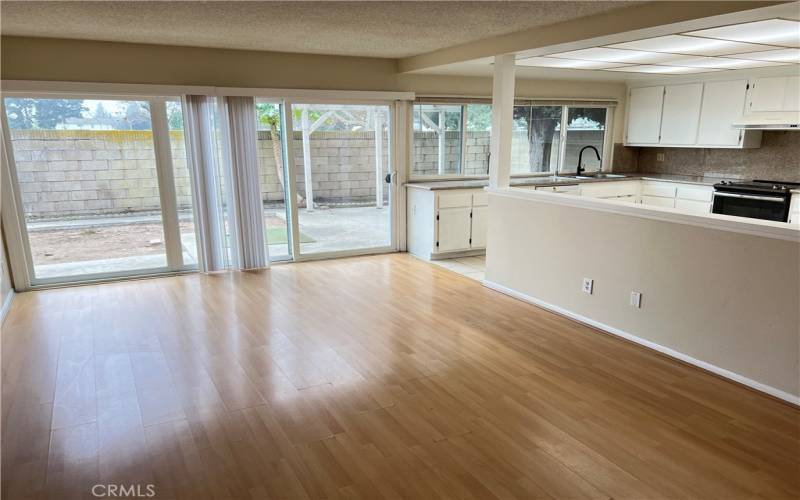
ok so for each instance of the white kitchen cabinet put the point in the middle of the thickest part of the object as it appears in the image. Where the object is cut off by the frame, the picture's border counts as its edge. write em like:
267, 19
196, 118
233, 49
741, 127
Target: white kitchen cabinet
480, 227
699, 207
794, 209
698, 114
658, 201
644, 115
441, 223
723, 103
694, 193
779, 93
660, 189
681, 113
453, 226
610, 190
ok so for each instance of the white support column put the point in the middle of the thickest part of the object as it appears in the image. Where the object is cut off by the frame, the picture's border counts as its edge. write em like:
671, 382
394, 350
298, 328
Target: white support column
309, 181
502, 121
378, 161
442, 142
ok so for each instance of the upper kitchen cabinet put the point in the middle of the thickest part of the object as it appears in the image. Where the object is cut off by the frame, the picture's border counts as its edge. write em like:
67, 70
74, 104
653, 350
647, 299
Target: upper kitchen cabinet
723, 103
781, 93
693, 115
644, 115
681, 114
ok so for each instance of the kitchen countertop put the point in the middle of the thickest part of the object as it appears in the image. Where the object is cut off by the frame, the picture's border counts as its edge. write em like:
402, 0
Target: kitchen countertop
549, 181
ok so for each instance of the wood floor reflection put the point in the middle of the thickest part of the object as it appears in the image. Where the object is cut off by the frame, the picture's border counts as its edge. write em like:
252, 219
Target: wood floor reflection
375, 377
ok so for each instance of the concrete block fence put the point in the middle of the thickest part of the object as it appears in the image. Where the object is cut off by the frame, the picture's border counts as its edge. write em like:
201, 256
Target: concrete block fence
68, 173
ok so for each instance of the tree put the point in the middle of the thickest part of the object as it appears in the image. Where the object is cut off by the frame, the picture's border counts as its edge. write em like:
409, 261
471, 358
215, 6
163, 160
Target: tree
174, 115
100, 111
41, 113
137, 115
269, 116
541, 123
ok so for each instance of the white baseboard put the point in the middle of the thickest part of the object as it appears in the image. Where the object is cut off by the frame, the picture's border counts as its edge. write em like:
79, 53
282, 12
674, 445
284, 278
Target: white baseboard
772, 391
6, 306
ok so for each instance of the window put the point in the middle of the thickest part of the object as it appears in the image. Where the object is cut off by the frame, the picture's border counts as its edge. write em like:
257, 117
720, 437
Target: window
437, 139
536, 143
103, 184
460, 147
585, 127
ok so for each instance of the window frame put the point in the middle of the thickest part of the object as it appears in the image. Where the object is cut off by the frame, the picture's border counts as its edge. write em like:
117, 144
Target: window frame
24, 271
565, 105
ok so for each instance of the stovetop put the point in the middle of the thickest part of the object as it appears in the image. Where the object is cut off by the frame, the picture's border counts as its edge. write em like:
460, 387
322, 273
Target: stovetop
759, 186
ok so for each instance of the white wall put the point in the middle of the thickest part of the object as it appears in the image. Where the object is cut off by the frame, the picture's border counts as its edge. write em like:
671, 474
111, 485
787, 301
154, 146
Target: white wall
725, 298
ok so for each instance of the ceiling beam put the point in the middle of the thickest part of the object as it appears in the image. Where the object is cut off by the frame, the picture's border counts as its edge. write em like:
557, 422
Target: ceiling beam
637, 17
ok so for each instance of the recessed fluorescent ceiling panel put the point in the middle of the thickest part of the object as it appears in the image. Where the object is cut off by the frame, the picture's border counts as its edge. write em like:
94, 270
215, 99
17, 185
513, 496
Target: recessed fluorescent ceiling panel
690, 45
721, 62
552, 62
771, 31
672, 70
779, 55
604, 54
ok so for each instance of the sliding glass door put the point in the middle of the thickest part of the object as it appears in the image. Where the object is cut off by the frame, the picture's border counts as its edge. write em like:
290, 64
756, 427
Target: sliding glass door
342, 156
103, 184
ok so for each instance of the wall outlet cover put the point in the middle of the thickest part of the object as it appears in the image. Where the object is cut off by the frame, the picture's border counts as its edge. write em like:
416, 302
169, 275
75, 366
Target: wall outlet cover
636, 299
659, 156
588, 285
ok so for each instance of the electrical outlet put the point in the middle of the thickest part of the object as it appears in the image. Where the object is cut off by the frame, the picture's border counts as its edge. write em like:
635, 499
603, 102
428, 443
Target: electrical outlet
659, 156
588, 285
636, 299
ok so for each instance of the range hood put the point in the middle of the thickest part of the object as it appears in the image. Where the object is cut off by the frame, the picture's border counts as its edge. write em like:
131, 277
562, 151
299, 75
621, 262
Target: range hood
769, 120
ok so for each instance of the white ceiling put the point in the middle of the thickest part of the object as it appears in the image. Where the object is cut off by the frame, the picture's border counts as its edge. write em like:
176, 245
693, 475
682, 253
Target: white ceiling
377, 29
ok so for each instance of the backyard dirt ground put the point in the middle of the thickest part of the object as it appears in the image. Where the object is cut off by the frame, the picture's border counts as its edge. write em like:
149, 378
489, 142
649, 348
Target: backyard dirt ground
63, 245
58, 246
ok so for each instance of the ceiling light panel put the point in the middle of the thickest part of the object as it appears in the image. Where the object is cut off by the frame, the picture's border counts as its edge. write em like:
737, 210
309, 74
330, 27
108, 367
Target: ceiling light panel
552, 62
604, 54
771, 31
778, 55
668, 70
721, 62
690, 45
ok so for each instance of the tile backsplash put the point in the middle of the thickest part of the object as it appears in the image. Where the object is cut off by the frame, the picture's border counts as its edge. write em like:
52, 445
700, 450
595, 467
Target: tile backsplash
778, 158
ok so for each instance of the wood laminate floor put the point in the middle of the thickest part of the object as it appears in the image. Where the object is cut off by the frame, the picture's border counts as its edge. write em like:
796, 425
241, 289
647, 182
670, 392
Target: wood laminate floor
376, 377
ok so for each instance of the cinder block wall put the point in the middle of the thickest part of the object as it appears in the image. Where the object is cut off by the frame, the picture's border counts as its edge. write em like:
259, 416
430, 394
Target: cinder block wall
67, 173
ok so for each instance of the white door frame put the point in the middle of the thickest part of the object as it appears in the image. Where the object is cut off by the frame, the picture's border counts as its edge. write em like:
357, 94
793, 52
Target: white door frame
395, 159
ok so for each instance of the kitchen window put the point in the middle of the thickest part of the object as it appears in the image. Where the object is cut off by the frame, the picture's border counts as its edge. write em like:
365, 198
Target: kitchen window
451, 138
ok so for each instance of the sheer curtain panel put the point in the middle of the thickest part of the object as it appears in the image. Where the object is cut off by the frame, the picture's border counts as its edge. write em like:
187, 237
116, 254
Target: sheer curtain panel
245, 209
199, 130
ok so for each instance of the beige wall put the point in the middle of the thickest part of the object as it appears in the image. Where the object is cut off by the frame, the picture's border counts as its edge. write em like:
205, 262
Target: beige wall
728, 299
86, 61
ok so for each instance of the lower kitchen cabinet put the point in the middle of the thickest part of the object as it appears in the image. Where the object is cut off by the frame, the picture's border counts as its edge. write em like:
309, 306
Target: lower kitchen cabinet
658, 201
444, 223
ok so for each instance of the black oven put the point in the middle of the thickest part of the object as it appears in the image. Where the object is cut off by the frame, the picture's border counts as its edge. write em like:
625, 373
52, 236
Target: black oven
756, 199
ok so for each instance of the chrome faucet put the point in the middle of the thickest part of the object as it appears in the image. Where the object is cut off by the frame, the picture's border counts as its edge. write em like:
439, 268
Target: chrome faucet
580, 158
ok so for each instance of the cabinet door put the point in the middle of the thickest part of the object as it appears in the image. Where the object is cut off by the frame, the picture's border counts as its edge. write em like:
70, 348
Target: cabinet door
644, 115
480, 226
453, 229
681, 113
768, 94
699, 207
723, 103
791, 97
658, 201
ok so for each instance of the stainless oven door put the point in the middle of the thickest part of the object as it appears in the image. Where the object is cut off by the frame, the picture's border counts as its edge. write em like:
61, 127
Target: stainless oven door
750, 205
